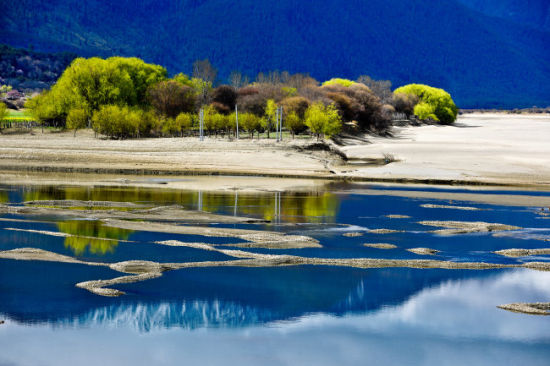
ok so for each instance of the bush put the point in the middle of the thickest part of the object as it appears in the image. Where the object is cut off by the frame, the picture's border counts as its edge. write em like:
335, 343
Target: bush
434, 103
323, 119
3, 110
249, 122
225, 95
358, 103
171, 98
404, 103
338, 81
77, 118
293, 123
296, 105
115, 121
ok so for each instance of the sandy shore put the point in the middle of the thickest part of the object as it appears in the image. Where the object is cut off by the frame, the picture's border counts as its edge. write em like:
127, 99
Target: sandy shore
488, 148
481, 149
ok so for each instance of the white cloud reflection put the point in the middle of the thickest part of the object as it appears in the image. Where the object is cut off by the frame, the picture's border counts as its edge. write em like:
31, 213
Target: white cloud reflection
455, 323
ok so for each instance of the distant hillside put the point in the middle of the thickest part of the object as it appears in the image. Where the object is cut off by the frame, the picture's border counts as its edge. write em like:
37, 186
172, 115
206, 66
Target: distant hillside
531, 13
483, 60
26, 69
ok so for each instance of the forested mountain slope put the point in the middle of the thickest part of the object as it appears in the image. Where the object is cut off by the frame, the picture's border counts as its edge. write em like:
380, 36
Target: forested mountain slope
483, 60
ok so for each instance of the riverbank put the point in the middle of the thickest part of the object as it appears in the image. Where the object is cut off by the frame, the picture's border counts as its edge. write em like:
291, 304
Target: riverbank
481, 149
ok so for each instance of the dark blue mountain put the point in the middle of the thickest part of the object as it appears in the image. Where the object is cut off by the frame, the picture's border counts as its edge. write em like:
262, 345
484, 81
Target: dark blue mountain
531, 13
484, 57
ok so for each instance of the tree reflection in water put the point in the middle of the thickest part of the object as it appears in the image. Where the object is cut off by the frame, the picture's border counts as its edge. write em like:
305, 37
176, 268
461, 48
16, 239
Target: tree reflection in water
91, 236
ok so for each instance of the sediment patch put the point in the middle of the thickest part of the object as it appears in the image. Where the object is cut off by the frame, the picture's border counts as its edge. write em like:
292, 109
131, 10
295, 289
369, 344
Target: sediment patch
161, 213
263, 239
380, 245
515, 252
352, 235
384, 231
79, 203
451, 207
536, 308
423, 251
466, 227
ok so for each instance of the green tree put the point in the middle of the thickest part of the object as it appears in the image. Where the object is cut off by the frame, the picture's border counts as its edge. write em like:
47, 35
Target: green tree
92, 83
270, 115
76, 119
435, 103
293, 123
177, 126
339, 81
115, 121
3, 110
323, 119
249, 122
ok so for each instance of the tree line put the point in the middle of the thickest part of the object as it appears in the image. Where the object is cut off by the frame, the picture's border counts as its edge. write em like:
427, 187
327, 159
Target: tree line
128, 98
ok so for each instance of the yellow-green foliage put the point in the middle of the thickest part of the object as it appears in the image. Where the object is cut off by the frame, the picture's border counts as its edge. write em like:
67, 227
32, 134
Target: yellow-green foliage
3, 111
178, 125
77, 118
293, 122
92, 83
323, 119
289, 91
338, 81
120, 122
215, 121
249, 122
434, 103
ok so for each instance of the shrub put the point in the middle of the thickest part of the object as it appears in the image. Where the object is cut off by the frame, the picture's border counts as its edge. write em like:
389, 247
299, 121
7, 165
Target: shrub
434, 102
3, 110
296, 105
171, 98
293, 123
252, 103
358, 103
225, 95
404, 103
115, 121
338, 81
77, 118
249, 122
323, 119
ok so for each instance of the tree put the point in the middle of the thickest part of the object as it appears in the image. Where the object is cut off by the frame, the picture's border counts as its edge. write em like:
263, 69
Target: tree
338, 81
171, 98
92, 83
380, 88
203, 69
296, 104
323, 120
249, 122
434, 103
294, 123
270, 115
226, 96
77, 118
3, 113
404, 103
114, 121
238, 80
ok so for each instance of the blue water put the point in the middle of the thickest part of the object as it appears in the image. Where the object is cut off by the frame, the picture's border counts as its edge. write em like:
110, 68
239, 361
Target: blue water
296, 315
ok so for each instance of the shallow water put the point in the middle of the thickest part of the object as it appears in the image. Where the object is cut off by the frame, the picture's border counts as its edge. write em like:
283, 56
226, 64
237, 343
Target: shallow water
322, 315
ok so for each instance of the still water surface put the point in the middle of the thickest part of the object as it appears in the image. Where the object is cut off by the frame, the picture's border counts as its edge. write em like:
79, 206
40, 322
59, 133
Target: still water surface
310, 315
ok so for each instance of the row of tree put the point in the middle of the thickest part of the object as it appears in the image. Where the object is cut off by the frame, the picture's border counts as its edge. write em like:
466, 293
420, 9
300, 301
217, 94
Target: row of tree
126, 97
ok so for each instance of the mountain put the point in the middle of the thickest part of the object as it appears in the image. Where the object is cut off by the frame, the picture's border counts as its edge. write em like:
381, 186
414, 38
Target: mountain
531, 13
479, 54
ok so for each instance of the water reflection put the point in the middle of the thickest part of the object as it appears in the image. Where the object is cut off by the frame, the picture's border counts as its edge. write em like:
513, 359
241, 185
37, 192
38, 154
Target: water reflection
293, 206
92, 236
